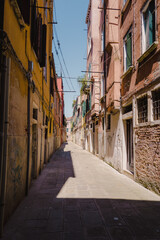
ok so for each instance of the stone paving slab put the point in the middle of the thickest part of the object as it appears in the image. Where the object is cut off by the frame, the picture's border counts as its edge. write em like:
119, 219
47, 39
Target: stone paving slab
79, 197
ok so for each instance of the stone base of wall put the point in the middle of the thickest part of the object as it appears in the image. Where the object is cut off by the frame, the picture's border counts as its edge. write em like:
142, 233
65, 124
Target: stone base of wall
147, 157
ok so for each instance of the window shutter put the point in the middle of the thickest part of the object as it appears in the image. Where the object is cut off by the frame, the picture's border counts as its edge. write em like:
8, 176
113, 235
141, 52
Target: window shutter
84, 108
26, 11
39, 38
51, 86
36, 36
44, 33
90, 101
24, 7
87, 105
33, 24
151, 22
129, 50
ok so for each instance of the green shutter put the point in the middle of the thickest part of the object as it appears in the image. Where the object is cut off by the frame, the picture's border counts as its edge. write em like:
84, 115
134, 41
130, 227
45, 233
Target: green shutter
129, 49
90, 99
84, 108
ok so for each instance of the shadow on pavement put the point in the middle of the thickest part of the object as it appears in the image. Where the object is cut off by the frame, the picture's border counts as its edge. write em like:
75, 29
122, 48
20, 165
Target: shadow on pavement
44, 215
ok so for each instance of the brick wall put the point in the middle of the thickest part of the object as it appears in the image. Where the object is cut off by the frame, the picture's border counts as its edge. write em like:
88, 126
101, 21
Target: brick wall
147, 157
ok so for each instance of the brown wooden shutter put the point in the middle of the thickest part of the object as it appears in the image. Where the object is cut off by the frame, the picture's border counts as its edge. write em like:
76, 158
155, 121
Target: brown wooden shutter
51, 85
36, 36
39, 44
33, 23
44, 34
24, 7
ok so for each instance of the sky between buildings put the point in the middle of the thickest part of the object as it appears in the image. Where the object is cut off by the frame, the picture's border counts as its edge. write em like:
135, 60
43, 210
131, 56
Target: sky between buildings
72, 35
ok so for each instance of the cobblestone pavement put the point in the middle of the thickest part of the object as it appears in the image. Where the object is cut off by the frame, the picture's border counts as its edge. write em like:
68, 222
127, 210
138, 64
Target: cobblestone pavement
79, 197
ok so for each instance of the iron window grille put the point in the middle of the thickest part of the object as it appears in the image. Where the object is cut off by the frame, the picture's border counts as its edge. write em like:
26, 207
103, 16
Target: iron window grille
156, 104
142, 105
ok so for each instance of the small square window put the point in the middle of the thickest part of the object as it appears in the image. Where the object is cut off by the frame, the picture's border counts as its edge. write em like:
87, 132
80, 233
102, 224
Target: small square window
156, 104
35, 113
103, 123
127, 41
148, 25
142, 105
50, 127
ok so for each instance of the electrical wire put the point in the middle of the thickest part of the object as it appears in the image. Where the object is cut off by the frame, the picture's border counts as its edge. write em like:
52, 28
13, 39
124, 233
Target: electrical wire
60, 50
60, 62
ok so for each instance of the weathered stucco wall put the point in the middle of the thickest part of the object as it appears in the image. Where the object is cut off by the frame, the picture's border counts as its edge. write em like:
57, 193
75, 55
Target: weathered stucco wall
114, 142
147, 157
17, 140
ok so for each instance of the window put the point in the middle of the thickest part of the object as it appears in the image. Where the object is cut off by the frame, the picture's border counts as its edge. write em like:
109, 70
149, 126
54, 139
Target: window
127, 109
89, 72
46, 121
142, 105
25, 10
53, 126
103, 123
102, 38
127, 50
50, 127
35, 113
45, 69
90, 101
84, 108
89, 43
38, 35
156, 104
148, 25
102, 86
109, 122
124, 2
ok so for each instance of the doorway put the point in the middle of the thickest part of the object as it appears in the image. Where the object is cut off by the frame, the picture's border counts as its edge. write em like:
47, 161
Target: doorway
129, 145
34, 150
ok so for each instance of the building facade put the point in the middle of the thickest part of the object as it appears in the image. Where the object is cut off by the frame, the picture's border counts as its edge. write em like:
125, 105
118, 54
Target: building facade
140, 90
69, 126
27, 97
122, 126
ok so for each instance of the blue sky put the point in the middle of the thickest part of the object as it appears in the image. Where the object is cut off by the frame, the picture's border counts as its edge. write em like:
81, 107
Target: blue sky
71, 15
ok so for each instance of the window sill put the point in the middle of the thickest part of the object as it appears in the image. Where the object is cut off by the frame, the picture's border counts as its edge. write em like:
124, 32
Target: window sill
127, 72
147, 52
125, 6
18, 14
150, 123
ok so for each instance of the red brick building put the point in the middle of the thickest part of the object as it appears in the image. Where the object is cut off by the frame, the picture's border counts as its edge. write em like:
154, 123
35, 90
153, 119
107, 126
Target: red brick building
140, 89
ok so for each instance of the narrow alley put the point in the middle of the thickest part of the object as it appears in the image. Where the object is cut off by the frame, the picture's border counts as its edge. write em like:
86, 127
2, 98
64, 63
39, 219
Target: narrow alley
78, 196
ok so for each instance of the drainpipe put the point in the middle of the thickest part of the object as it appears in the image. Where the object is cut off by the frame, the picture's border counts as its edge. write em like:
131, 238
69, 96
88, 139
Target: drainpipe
5, 77
28, 131
41, 151
28, 114
105, 80
1, 14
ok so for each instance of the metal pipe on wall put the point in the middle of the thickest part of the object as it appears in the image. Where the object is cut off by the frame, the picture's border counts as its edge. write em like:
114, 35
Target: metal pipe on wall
28, 132
6, 78
105, 80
